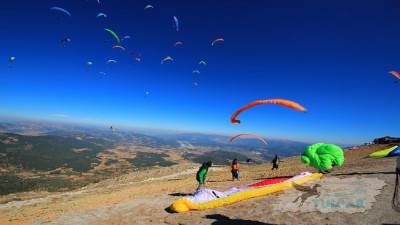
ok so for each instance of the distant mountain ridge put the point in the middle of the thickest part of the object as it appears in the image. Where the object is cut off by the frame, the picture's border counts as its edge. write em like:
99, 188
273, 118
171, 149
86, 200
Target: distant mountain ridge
284, 148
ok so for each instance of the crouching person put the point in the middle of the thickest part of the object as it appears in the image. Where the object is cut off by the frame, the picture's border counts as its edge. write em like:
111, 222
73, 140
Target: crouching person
201, 175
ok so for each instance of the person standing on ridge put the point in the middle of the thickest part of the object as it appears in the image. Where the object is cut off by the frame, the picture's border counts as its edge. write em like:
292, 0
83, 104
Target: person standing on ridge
275, 162
201, 174
235, 170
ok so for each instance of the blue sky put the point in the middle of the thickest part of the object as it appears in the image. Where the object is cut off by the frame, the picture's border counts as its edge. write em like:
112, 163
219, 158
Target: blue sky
332, 57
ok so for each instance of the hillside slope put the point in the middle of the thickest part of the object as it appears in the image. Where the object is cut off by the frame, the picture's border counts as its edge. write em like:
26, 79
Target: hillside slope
143, 197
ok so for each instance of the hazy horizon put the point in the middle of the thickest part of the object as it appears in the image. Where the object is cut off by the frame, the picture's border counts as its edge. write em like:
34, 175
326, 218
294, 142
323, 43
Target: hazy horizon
154, 130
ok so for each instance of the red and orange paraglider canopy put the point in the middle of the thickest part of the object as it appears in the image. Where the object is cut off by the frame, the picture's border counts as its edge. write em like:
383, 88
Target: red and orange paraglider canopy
394, 73
261, 139
283, 102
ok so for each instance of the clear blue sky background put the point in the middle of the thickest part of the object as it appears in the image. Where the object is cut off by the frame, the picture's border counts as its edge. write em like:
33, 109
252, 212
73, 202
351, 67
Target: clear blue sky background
332, 57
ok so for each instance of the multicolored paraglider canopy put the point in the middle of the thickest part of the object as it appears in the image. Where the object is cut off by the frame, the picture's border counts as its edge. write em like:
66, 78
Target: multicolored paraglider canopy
394, 152
167, 58
209, 199
384, 152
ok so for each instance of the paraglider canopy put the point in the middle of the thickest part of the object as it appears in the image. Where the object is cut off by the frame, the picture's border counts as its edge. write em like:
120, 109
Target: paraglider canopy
65, 40
167, 58
396, 74
113, 33
118, 46
176, 23
101, 14
61, 10
323, 156
217, 40
283, 102
260, 138
178, 43
126, 37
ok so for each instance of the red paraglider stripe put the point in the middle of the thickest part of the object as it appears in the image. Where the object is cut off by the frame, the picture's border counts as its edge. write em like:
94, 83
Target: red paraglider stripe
269, 182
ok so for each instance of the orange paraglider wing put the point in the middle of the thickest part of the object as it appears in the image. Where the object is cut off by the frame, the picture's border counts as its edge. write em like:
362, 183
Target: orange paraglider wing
396, 74
283, 102
249, 135
217, 40
178, 43
119, 46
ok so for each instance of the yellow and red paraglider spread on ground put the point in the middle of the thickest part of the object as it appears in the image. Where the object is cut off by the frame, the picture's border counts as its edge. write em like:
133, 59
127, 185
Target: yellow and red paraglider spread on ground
209, 199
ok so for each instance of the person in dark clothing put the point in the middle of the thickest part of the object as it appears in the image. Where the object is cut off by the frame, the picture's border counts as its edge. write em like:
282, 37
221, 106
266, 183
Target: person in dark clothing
201, 174
396, 194
235, 170
275, 162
